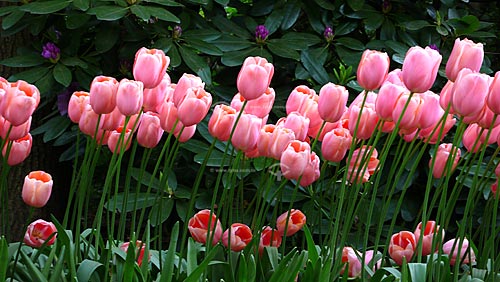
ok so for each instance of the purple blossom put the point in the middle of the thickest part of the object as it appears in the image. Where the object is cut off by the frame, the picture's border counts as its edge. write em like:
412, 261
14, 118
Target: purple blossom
177, 32
434, 47
328, 34
261, 33
51, 51
386, 6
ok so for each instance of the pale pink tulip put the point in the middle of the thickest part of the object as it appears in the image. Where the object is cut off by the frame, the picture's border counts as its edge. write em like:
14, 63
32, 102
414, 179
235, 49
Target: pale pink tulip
335, 144
469, 87
465, 54
361, 166
432, 133
395, 77
37, 188
387, 99
246, 132
259, 107
186, 133
103, 94
19, 150
155, 96
19, 102
112, 120
221, 122
304, 100
372, 69
88, 123
420, 67
332, 102
298, 123
254, 77
76, 105
194, 107
311, 171
407, 112
168, 116
353, 263
295, 159
129, 97
185, 82
273, 140
362, 121
149, 132
116, 143
493, 99
14, 132
150, 66
452, 247
446, 95
444, 151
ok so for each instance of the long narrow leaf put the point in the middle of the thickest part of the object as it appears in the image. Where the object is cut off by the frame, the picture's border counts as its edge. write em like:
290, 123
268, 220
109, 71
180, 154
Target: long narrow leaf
195, 275
168, 266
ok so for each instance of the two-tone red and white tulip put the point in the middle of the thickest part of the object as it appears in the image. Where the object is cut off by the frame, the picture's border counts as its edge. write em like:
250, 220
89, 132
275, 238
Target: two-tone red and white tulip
237, 237
139, 248
205, 225
402, 246
39, 232
290, 222
269, 237
429, 234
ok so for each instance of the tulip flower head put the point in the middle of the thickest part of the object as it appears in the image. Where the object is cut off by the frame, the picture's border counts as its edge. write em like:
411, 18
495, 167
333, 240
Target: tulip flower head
198, 227
290, 222
150, 66
402, 246
139, 249
420, 67
465, 54
39, 232
237, 237
428, 234
444, 152
373, 69
269, 238
458, 250
353, 264
254, 77
37, 188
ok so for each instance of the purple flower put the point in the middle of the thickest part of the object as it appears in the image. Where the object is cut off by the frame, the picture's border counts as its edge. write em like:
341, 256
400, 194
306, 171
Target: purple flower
386, 6
434, 47
328, 34
51, 51
177, 32
261, 33
63, 98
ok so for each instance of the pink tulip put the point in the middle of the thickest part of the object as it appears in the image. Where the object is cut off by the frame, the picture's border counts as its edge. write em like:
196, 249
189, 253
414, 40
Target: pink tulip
19, 150
185, 82
199, 229
155, 96
221, 122
194, 107
432, 133
402, 246
372, 69
88, 123
259, 107
129, 97
420, 68
493, 98
237, 237
298, 123
366, 119
139, 249
353, 264
269, 238
295, 159
4, 85
494, 188
150, 132
15, 132
332, 102
254, 77
168, 117
117, 143
471, 139
485, 118
445, 96
444, 151
465, 54
387, 99
429, 233
103, 94
246, 132
273, 140
38, 232
296, 220
305, 101
469, 87
335, 144
370, 256
451, 248
112, 120
311, 171
19, 102
76, 105
186, 134
150, 66
430, 112
395, 77
314, 132
408, 111
361, 167
37, 188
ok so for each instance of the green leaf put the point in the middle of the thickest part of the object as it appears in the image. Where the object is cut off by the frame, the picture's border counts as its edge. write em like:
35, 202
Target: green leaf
291, 14
300, 40
108, 13
87, 268
228, 43
145, 178
351, 43
161, 211
55, 127
168, 3
74, 61
175, 58
282, 49
345, 28
325, 4
23, 61
214, 160
7, 10
416, 25
58, 272
163, 14
31, 75
442, 30
228, 27
81, 4
236, 58
356, 5
418, 271
76, 20
62, 74
163, 44
167, 272
206, 34
4, 256
32, 269
273, 21
106, 37
134, 201
316, 70
45, 7
141, 12
44, 84
204, 47
195, 275
197, 64
12, 19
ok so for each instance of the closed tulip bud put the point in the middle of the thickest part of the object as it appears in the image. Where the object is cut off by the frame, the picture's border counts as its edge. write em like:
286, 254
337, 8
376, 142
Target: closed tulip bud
129, 97
408, 111
221, 122
168, 117
429, 233
469, 87
155, 96
442, 154
185, 82
139, 249
430, 112
298, 123
465, 54
117, 144
246, 132
493, 98
290, 222
150, 66
353, 264
194, 107
458, 250
471, 139
335, 144
387, 99
311, 172
88, 122
39, 232
14, 132
259, 107
273, 140
237, 237
269, 238
37, 188
205, 225
186, 133
432, 133
332, 102
76, 105
254, 77
372, 69
402, 246
295, 159
103, 94
366, 119
305, 101
20, 149
19, 102
395, 77
150, 132
361, 167
420, 67
112, 120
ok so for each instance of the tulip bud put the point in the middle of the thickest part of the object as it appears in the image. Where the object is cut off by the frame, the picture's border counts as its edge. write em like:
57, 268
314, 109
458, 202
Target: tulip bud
150, 66
37, 188
254, 77
296, 220
373, 69
198, 227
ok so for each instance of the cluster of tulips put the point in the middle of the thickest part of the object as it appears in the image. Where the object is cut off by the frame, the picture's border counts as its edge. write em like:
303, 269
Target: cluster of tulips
18, 101
205, 226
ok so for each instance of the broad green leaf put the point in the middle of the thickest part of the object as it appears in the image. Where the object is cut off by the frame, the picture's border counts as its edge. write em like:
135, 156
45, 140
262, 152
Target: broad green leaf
161, 212
345, 28
7, 10
214, 160
351, 43
325, 4
45, 83
442, 30
108, 13
311, 247
373, 21
273, 21
81, 4
57, 271
31, 75
133, 201
62, 74
86, 269
106, 37
291, 14
199, 2
204, 47
74, 61
229, 27
236, 58
175, 58
242, 269
416, 25
356, 5
228, 43
45, 7
195, 275
314, 17
280, 48
163, 44
300, 40
163, 14
55, 127
169, 3
12, 19
418, 271
141, 12
197, 64
32, 269
205, 34
397, 46
76, 20
314, 67
23, 61
145, 178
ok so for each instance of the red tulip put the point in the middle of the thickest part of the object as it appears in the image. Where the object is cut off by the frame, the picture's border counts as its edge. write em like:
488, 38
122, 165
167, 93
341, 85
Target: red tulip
139, 250
296, 220
237, 237
37, 188
269, 238
38, 233
198, 226
402, 246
